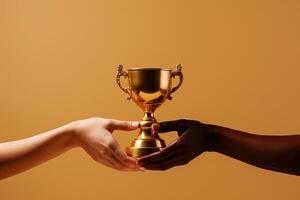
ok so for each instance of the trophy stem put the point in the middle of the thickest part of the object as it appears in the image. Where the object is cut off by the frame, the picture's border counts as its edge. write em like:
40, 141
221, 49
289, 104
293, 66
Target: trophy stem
146, 123
146, 142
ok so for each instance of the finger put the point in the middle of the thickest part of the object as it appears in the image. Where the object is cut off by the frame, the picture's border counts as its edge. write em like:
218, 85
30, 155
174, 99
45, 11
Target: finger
111, 164
106, 162
160, 155
129, 161
122, 156
163, 163
125, 166
105, 158
178, 159
177, 125
118, 156
155, 128
111, 158
123, 125
162, 166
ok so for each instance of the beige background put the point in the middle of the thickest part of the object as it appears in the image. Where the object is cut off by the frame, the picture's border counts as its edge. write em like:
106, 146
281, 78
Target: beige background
241, 66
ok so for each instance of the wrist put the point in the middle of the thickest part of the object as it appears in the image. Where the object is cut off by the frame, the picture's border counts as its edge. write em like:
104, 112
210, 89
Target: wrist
72, 131
212, 132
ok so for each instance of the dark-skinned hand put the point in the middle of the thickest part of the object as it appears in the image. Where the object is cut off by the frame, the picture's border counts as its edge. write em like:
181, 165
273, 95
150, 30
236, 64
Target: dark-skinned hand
193, 140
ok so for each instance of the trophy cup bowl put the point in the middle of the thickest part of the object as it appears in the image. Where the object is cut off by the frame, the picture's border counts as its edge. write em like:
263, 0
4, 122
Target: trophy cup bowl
148, 88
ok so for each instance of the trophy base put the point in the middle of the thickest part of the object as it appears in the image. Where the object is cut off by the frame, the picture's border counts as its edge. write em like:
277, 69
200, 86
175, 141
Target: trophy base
143, 147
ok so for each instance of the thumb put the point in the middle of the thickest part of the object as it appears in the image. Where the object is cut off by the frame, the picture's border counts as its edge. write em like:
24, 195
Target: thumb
123, 125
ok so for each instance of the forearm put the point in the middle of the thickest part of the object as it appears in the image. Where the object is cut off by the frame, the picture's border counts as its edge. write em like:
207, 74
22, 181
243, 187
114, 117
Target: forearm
21, 155
278, 153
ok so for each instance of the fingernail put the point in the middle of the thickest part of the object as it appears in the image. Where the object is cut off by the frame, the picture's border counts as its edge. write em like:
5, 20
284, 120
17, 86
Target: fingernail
142, 169
135, 124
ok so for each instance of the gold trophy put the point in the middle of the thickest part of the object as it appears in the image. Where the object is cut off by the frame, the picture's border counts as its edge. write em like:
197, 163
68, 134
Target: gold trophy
148, 88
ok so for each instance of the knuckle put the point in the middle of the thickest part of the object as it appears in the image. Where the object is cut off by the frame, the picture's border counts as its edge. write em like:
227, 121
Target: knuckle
126, 124
95, 119
111, 144
103, 151
109, 122
193, 122
124, 159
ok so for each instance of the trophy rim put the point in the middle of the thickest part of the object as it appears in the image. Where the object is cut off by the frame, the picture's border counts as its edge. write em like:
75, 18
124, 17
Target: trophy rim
148, 68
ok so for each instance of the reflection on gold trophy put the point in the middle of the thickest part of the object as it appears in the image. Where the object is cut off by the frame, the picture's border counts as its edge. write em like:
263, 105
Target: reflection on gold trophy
148, 88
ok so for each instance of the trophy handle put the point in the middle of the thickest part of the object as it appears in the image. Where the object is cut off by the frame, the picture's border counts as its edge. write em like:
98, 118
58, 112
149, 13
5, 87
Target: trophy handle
173, 75
121, 73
